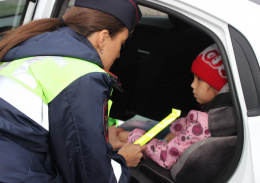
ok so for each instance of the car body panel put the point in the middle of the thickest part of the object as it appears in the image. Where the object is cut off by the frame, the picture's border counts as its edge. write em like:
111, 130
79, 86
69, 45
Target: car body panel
29, 12
254, 138
44, 9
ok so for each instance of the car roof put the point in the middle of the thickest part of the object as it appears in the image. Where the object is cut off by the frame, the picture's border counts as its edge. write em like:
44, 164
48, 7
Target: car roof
244, 15
236, 12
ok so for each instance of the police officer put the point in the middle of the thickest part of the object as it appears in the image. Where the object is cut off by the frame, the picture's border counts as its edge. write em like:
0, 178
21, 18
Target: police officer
54, 92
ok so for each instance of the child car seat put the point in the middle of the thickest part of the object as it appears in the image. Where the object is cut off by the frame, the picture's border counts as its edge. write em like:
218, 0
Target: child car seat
203, 161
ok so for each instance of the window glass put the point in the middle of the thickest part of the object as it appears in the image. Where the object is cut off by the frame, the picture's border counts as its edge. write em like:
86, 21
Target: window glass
150, 12
71, 3
10, 13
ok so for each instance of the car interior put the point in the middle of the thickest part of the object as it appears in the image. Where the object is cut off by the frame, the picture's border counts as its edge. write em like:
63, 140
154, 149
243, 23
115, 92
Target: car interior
154, 69
155, 72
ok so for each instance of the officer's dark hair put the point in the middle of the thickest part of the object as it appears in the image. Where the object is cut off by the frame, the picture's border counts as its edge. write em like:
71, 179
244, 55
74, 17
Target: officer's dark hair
84, 21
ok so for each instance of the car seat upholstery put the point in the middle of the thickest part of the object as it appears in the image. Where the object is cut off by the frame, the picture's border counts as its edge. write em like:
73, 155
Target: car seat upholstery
203, 161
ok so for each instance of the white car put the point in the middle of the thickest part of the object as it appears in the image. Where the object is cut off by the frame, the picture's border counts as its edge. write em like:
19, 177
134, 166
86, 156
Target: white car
234, 25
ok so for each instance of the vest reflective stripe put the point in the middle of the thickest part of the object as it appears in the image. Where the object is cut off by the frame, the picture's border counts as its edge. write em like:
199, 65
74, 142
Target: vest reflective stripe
3, 65
60, 61
24, 100
21, 73
117, 169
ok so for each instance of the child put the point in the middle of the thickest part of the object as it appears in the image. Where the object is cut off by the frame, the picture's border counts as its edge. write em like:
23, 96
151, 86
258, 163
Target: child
209, 78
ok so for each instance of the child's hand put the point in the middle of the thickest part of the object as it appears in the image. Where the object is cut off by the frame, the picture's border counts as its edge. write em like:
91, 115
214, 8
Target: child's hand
113, 137
123, 136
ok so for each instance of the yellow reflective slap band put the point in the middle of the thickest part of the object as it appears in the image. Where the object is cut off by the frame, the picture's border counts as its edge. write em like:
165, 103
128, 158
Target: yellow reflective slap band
159, 127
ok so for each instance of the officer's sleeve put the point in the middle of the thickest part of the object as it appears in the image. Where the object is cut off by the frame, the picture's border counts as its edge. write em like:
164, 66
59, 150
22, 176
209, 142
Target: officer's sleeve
78, 133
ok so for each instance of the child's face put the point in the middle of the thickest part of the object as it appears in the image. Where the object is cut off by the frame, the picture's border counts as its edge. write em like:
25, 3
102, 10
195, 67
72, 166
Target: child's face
202, 91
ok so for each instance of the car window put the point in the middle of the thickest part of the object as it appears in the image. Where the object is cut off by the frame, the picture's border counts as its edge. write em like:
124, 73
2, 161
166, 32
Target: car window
151, 12
11, 13
71, 3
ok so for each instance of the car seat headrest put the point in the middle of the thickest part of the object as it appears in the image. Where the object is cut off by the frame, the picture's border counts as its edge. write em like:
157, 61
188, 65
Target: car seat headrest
221, 116
222, 122
221, 100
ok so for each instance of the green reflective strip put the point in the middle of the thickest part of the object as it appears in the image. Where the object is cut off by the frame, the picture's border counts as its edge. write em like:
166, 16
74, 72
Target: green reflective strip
12, 66
117, 123
53, 78
112, 121
159, 127
110, 102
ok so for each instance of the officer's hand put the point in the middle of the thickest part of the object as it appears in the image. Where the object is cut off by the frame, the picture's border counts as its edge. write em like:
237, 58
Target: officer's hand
113, 137
132, 153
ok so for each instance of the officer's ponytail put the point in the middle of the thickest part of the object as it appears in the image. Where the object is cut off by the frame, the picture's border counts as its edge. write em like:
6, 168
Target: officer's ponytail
24, 32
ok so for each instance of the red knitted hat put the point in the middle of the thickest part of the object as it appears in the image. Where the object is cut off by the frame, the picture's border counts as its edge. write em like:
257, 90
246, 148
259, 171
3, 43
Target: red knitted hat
209, 67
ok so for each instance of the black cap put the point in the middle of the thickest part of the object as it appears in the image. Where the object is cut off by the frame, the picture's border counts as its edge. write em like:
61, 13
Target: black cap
125, 10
